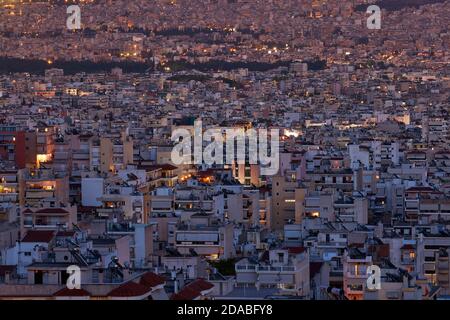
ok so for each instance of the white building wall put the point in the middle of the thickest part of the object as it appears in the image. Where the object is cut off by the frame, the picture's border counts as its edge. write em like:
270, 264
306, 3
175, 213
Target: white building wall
91, 189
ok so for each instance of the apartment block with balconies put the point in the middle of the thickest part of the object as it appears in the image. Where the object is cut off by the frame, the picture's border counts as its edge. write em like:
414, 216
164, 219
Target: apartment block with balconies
48, 218
355, 266
206, 236
37, 185
284, 269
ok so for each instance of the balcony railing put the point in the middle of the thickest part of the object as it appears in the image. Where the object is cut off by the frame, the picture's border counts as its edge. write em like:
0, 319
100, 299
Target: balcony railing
245, 268
265, 269
360, 274
109, 211
354, 290
408, 261
443, 267
331, 244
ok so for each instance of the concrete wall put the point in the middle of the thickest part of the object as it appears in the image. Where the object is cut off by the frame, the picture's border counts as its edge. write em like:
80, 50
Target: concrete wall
91, 189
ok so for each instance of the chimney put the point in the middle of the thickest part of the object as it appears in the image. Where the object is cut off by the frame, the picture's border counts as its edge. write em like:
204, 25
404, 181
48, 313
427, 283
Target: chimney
379, 230
421, 238
175, 286
405, 281
101, 275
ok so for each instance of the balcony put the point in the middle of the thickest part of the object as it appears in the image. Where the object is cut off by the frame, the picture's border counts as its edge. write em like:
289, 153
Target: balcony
9, 197
109, 211
332, 244
38, 194
160, 209
408, 261
271, 269
360, 275
336, 273
354, 289
186, 198
81, 156
443, 267
46, 226
412, 205
247, 267
443, 279
28, 223
39, 175
120, 228
197, 244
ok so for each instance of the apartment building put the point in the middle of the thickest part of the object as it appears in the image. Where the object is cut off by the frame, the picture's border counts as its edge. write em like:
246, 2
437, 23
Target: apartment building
48, 218
433, 245
283, 202
352, 209
247, 174
425, 204
355, 264
45, 144
314, 204
115, 153
9, 194
36, 185
205, 236
284, 269
12, 146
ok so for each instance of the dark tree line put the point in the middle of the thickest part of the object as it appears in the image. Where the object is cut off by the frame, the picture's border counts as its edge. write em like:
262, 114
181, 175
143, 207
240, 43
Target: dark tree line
34, 66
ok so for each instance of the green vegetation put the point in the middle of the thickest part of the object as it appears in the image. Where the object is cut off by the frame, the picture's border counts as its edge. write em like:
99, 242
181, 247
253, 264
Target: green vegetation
225, 267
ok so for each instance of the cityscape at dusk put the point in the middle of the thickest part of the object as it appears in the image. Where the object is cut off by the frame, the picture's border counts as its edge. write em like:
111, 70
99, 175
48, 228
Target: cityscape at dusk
232, 150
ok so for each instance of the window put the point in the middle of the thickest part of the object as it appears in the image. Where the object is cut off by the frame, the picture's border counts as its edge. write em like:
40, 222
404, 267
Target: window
64, 276
38, 277
27, 254
280, 256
